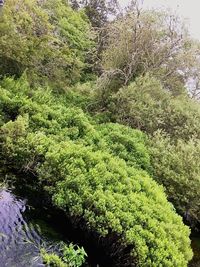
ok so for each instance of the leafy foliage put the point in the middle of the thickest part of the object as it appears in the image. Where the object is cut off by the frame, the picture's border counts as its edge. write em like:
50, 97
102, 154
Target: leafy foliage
52, 259
71, 256
46, 38
178, 169
126, 143
98, 11
74, 256
107, 190
144, 104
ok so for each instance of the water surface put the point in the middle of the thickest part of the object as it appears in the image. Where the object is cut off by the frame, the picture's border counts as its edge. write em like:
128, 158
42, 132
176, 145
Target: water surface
20, 240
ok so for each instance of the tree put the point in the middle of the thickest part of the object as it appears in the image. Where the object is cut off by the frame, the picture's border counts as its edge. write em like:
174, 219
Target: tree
46, 38
193, 81
143, 41
147, 106
98, 11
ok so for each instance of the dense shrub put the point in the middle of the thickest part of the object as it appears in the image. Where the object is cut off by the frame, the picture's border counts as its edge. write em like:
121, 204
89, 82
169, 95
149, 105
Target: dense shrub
112, 196
60, 118
145, 105
126, 143
177, 167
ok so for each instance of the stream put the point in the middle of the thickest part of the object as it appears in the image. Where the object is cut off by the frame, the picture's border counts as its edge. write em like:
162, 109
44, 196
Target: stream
20, 238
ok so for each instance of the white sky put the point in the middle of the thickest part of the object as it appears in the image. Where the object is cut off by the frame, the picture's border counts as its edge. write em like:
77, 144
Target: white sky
189, 9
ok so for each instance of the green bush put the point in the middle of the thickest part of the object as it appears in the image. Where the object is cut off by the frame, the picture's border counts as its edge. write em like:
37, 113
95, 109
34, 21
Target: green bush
60, 118
125, 143
177, 167
147, 106
74, 256
88, 172
52, 259
111, 196
70, 256
47, 39
99, 173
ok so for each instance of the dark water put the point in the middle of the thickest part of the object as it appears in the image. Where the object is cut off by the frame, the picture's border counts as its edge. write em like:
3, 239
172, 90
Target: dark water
27, 224
20, 240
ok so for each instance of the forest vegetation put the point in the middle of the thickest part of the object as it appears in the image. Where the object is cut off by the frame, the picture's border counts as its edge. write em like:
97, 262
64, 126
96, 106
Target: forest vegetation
99, 109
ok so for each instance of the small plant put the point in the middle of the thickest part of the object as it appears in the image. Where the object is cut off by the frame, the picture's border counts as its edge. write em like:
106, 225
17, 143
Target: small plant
51, 259
70, 256
73, 255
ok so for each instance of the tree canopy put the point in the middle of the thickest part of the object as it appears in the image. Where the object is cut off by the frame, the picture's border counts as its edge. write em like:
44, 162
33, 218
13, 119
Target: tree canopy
47, 39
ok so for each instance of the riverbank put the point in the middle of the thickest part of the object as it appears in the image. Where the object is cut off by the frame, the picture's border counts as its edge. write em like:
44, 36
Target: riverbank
29, 237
